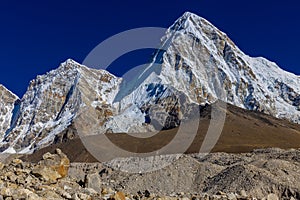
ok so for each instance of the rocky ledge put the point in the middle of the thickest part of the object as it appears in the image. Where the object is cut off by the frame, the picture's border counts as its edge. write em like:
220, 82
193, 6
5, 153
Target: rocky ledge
268, 174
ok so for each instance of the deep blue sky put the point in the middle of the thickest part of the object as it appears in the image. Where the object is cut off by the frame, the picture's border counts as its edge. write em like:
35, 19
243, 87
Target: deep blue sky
38, 35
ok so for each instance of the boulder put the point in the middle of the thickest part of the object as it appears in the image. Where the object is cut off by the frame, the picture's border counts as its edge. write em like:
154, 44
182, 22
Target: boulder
52, 167
119, 196
94, 181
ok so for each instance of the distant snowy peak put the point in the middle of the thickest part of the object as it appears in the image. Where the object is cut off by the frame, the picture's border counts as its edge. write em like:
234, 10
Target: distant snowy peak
8, 100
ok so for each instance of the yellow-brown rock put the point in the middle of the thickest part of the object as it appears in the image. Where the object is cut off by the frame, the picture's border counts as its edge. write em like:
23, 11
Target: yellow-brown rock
52, 167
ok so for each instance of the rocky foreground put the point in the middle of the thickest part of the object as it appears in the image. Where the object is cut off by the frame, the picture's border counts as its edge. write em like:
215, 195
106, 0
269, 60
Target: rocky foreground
263, 174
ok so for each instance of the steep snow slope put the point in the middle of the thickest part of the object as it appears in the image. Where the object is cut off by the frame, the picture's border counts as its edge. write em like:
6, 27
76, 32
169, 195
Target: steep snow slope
8, 109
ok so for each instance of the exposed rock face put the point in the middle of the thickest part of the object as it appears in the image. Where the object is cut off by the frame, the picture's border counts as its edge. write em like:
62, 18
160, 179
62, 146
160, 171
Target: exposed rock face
53, 100
8, 109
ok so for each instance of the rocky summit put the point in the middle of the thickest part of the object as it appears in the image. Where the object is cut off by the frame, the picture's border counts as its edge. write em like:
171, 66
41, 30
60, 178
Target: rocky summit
268, 174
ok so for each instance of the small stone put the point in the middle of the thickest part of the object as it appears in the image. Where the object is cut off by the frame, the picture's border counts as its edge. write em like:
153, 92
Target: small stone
147, 194
75, 197
272, 197
205, 197
22, 193
50, 194
28, 180
17, 161
181, 193
231, 196
119, 196
90, 191
104, 191
110, 191
136, 197
243, 193
59, 152
65, 194
93, 181
221, 193
1, 165
47, 156
33, 196
185, 198
140, 194
83, 196
11, 176
6, 192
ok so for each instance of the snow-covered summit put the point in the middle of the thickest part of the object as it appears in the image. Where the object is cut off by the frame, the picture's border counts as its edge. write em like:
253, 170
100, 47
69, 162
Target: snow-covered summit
200, 57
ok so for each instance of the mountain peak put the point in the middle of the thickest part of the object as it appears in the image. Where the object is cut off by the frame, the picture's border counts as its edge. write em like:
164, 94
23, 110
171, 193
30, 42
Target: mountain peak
74, 66
70, 64
189, 19
201, 29
8, 92
189, 14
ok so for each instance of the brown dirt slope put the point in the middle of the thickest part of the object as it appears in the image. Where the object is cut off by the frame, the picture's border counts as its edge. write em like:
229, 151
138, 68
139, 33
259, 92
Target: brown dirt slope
243, 131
